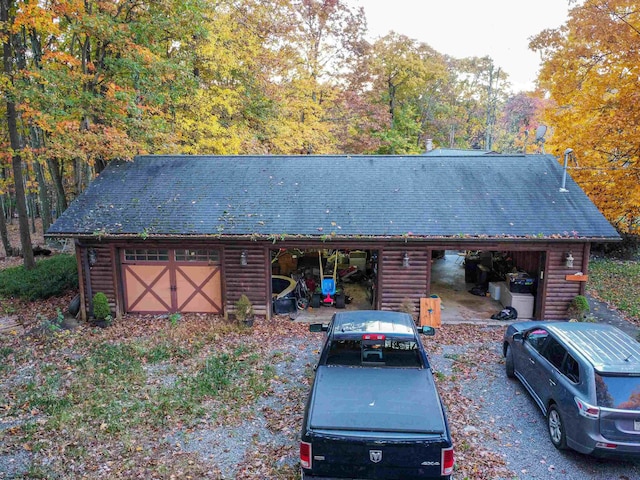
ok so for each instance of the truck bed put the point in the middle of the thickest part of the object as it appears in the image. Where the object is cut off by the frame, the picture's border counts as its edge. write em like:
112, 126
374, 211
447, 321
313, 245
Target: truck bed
375, 400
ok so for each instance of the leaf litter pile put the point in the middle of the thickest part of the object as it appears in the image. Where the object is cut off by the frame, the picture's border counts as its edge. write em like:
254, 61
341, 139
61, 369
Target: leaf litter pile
152, 397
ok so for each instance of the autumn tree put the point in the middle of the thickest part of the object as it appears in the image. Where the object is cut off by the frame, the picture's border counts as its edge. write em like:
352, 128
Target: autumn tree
406, 77
480, 91
518, 121
590, 71
12, 50
327, 37
87, 82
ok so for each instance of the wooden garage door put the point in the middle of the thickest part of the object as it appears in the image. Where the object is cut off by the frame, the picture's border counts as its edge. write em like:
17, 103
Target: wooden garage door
165, 280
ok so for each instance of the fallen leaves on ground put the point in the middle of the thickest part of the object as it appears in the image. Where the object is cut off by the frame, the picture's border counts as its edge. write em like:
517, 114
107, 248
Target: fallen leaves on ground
469, 430
52, 361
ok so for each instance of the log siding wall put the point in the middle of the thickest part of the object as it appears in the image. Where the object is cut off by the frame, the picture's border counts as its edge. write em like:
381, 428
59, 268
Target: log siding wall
253, 279
559, 292
395, 282
98, 277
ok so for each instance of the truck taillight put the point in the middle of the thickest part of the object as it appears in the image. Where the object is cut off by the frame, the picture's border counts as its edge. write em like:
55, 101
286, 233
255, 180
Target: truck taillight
447, 461
373, 336
305, 455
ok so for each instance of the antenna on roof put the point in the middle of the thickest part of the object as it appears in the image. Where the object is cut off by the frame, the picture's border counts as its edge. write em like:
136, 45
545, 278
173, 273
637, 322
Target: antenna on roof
540, 133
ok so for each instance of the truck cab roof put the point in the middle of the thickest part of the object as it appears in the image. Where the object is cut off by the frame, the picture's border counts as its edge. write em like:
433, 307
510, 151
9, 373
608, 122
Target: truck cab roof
373, 321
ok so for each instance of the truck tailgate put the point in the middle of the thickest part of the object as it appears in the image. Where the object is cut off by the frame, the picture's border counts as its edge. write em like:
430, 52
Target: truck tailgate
375, 399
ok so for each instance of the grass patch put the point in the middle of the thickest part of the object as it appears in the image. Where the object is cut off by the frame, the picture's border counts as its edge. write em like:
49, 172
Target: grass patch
112, 392
616, 282
5, 352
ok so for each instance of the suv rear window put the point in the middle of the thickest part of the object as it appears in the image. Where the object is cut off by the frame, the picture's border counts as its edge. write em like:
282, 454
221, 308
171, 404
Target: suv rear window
621, 392
388, 353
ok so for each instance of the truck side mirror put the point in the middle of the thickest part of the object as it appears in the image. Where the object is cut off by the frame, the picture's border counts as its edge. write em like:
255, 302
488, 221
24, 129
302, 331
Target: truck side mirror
518, 336
428, 331
318, 327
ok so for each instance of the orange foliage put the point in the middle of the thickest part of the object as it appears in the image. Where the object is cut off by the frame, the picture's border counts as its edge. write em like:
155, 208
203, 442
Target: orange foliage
32, 15
590, 70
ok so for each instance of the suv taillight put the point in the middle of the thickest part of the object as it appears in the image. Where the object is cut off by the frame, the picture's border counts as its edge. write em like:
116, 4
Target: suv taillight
447, 461
305, 455
586, 410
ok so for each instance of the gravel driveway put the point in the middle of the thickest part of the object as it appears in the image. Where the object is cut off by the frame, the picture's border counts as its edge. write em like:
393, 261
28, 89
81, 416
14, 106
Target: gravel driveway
504, 418
513, 426
494, 421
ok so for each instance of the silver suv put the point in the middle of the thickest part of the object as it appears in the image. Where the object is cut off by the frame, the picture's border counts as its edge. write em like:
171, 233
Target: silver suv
586, 379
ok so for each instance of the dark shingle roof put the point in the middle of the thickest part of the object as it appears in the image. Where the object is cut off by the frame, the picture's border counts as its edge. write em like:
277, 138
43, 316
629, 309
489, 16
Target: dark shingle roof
506, 196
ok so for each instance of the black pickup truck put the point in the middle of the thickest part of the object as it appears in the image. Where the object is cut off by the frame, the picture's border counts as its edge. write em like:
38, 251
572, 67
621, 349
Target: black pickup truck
374, 411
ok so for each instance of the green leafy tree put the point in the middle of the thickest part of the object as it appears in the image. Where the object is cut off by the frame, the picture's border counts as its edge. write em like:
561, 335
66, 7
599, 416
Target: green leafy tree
406, 76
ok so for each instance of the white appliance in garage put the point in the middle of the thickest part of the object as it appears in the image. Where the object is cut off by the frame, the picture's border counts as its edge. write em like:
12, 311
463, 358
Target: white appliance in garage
522, 302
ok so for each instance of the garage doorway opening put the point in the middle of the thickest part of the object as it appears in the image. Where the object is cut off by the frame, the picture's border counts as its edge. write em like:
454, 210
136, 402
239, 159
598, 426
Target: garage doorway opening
311, 284
476, 285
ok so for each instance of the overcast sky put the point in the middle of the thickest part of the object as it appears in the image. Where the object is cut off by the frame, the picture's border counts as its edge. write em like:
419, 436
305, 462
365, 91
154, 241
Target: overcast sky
472, 28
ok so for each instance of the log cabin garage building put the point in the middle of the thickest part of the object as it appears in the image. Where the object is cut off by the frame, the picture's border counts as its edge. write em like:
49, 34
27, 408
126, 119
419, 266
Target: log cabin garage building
166, 234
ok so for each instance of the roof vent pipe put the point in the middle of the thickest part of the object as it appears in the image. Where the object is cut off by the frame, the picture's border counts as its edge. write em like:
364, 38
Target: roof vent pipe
567, 152
429, 144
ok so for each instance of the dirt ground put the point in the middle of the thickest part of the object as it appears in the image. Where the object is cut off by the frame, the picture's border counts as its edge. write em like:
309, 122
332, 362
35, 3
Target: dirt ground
37, 238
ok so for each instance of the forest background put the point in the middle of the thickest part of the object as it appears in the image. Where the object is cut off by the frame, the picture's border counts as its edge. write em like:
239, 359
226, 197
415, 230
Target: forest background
85, 82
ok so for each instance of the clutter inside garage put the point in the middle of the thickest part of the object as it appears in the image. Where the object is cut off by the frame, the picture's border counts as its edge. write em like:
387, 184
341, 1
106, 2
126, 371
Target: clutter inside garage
507, 290
304, 279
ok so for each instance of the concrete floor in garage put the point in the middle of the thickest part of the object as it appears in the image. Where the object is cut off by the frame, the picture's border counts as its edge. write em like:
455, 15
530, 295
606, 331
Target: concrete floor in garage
448, 282
457, 304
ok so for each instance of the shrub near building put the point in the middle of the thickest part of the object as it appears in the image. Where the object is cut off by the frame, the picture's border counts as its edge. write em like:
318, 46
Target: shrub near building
51, 277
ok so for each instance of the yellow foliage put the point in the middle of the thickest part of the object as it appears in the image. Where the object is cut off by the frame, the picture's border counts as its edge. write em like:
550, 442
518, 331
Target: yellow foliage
590, 70
32, 15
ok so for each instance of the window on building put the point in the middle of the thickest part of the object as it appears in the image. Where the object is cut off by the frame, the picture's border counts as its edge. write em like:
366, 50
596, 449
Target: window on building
189, 255
146, 255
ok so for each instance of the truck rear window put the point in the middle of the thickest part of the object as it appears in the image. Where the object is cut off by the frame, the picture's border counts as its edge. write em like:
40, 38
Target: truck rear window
386, 353
622, 392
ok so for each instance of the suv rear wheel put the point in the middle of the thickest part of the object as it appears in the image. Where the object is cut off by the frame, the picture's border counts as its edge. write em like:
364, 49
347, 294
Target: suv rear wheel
557, 433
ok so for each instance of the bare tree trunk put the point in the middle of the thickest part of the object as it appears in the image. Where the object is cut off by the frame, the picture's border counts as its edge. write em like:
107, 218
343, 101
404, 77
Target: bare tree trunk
4, 212
55, 169
21, 204
45, 204
37, 142
78, 176
12, 127
3, 232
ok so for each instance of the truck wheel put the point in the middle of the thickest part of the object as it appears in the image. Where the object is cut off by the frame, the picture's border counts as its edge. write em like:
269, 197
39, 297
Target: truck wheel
315, 300
508, 363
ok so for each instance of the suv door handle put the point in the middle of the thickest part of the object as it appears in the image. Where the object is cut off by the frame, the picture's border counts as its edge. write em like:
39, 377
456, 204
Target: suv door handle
552, 383
532, 361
